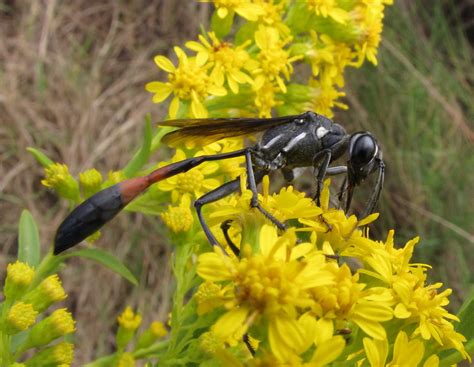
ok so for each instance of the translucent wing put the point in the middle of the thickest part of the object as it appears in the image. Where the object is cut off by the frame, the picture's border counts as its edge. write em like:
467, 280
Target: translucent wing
207, 131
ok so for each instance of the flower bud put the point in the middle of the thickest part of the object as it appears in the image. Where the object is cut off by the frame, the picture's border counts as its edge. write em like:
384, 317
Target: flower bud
19, 277
48, 292
20, 317
91, 182
156, 331
58, 324
126, 360
128, 324
60, 180
60, 354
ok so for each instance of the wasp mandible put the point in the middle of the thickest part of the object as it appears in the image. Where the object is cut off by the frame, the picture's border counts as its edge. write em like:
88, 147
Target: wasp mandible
306, 140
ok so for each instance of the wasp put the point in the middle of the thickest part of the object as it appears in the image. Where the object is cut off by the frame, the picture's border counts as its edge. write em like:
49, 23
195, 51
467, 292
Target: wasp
305, 140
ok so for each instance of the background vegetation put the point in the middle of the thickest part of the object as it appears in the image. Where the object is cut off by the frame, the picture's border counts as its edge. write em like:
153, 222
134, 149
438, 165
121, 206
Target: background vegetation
72, 78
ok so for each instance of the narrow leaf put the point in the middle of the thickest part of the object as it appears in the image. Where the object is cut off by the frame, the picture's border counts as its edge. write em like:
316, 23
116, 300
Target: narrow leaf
40, 157
106, 259
28, 240
141, 157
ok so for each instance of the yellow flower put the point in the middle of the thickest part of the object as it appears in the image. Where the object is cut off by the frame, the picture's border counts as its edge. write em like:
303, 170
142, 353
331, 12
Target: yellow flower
19, 277
193, 182
405, 352
56, 325
129, 320
271, 283
227, 62
179, 218
20, 317
265, 98
59, 179
273, 59
328, 8
48, 292
273, 14
244, 8
324, 99
61, 354
329, 59
91, 182
188, 82
233, 167
369, 18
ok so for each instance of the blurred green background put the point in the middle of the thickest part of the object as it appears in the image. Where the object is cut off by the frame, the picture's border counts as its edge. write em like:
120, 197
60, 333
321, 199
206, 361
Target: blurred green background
72, 78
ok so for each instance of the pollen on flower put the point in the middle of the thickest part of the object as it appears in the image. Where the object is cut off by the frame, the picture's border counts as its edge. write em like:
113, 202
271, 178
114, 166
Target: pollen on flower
210, 343
129, 320
20, 317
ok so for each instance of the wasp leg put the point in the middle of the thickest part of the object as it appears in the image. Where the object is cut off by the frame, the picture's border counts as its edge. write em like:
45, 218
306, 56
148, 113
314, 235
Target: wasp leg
249, 345
225, 231
214, 195
323, 167
252, 185
374, 198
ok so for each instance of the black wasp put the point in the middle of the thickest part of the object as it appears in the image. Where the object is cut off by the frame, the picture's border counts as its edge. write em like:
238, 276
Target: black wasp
306, 140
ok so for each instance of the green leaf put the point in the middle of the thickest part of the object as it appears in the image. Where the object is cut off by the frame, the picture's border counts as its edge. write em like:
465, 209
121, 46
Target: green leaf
466, 315
246, 32
40, 157
28, 240
106, 259
220, 26
141, 157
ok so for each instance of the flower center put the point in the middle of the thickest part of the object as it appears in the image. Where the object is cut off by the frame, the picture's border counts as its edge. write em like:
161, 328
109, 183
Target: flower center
188, 182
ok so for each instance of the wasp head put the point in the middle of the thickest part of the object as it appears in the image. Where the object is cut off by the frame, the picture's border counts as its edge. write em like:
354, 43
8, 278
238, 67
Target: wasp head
363, 155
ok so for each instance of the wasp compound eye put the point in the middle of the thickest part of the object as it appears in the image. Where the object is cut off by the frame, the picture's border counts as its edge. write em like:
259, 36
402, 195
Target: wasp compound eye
363, 149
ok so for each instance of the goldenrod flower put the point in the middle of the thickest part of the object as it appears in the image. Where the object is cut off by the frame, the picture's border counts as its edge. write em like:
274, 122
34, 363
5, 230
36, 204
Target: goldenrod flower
48, 292
369, 18
328, 8
129, 320
271, 283
193, 182
324, 99
128, 324
227, 62
244, 8
19, 277
273, 13
265, 98
61, 354
188, 82
114, 177
209, 296
56, 325
179, 218
405, 352
58, 178
232, 167
20, 317
273, 59
91, 182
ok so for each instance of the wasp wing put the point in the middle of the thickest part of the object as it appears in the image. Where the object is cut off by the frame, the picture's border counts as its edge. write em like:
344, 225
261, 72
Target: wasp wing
207, 131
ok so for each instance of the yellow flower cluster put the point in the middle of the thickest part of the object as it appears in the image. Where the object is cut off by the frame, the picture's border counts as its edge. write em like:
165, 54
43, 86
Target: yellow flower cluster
24, 301
251, 72
293, 293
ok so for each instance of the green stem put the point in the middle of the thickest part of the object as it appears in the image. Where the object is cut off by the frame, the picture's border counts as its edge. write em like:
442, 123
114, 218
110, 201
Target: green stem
5, 355
149, 351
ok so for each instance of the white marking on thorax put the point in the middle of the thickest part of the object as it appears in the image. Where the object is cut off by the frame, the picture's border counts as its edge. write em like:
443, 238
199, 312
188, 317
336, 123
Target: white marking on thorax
293, 142
321, 132
272, 141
